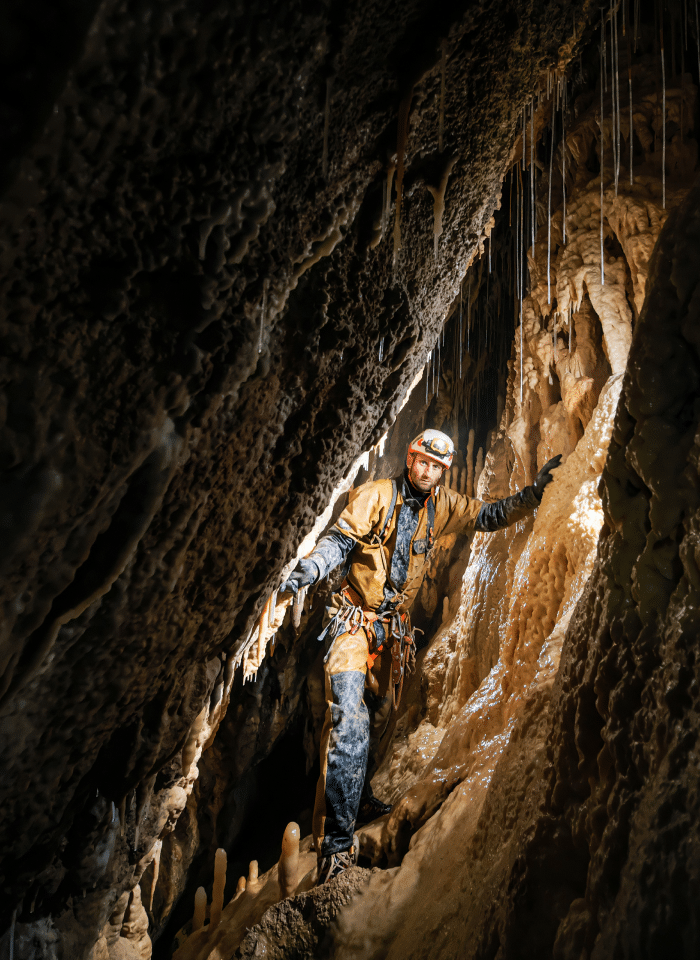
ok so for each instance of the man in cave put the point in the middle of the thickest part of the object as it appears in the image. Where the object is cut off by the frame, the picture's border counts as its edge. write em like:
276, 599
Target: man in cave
385, 533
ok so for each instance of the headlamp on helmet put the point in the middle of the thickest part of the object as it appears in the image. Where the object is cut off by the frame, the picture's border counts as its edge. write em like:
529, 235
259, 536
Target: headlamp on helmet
435, 445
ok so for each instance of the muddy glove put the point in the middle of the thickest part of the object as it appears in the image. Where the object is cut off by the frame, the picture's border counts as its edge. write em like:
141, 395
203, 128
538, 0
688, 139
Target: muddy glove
545, 475
306, 574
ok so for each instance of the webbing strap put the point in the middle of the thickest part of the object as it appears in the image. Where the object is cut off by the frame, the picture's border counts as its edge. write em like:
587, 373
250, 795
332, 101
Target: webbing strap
392, 507
431, 521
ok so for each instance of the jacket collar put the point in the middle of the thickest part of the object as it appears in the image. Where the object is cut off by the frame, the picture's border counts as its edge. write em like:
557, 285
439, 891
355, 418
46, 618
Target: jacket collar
416, 499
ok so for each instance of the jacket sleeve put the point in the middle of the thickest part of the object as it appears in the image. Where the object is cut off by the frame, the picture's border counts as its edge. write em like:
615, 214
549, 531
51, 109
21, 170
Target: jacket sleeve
502, 513
355, 522
330, 551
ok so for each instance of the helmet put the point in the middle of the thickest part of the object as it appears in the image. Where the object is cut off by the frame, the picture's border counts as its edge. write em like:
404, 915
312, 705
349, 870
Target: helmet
435, 445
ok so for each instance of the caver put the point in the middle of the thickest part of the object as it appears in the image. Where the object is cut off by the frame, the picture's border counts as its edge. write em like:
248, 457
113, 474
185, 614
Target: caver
384, 536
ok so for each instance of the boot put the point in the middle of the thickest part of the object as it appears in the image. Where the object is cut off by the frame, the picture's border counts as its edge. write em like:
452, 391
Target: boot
332, 866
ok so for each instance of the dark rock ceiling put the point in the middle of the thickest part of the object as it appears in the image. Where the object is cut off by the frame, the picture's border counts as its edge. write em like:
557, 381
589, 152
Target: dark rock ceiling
191, 310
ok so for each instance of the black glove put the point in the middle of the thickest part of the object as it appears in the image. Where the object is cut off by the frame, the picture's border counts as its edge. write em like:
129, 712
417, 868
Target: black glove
304, 576
545, 475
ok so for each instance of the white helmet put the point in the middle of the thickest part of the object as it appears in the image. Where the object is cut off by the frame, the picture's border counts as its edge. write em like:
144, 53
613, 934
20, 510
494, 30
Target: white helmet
435, 445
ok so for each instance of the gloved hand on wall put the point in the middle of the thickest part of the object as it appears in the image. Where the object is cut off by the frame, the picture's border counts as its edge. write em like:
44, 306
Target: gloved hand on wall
306, 574
545, 475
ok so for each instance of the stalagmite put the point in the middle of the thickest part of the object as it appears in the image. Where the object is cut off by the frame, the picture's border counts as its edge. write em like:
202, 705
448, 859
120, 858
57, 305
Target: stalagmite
445, 609
463, 481
217, 895
470, 464
479, 467
401, 138
326, 128
156, 870
240, 886
200, 908
288, 866
438, 195
252, 873
441, 121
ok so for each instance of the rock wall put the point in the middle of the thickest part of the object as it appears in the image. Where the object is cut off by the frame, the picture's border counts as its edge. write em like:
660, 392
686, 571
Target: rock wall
198, 268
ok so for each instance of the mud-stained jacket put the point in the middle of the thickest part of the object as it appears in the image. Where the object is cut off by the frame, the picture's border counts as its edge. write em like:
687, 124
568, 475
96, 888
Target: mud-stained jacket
371, 573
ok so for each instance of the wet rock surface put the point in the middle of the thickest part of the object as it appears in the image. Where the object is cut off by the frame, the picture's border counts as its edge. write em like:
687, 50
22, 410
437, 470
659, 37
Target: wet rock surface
299, 928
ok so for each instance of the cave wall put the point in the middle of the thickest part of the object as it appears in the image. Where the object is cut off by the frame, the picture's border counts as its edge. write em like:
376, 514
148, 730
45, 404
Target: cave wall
193, 292
542, 765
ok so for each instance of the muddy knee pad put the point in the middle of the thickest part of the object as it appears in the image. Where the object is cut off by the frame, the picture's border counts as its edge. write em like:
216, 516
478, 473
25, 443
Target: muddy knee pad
346, 761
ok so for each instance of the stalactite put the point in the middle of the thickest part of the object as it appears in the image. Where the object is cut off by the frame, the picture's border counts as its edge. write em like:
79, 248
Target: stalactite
200, 909
401, 139
520, 292
158, 846
438, 195
460, 330
439, 366
326, 128
441, 121
532, 174
271, 610
616, 53
263, 313
563, 167
629, 85
549, 211
602, 147
663, 115
470, 463
388, 183
381, 349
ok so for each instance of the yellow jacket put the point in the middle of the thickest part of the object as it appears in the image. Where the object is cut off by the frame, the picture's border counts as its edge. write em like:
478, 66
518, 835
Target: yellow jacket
364, 517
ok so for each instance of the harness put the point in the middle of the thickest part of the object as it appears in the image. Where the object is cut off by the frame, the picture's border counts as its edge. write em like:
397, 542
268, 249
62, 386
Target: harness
350, 616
